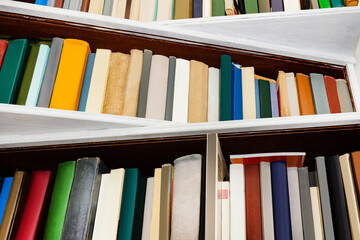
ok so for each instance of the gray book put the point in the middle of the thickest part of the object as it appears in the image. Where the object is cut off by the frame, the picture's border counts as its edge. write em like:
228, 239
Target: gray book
107, 9
75, 5
51, 3
80, 213
306, 212
144, 83
170, 89
52, 66
165, 200
344, 96
324, 198
318, 90
66, 4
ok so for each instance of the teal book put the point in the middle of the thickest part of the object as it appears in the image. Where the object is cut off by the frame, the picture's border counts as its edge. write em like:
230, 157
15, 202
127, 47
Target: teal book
257, 98
337, 3
132, 205
12, 70
225, 88
86, 82
265, 99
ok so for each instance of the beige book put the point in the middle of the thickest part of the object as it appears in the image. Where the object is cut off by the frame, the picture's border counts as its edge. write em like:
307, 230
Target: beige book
147, 10
165, 200
293, 94
248, 91
207, 8
198, 92
135, 10
351, 199
96, 6
164, 11
100, 217
316, 211
133, 83
155, 210
118, 8
283, 94
99, 76
116, 84
183, 9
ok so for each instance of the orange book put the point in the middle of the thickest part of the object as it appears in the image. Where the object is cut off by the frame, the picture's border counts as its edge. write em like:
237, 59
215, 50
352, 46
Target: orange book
70, 75
283, 95
332, 94
355, 162
306, 102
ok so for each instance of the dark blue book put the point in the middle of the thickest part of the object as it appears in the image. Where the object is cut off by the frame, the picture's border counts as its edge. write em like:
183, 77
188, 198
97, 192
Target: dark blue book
257, 99
41, 2
281, 206
197, 8
236, 89
5, 190
86, 82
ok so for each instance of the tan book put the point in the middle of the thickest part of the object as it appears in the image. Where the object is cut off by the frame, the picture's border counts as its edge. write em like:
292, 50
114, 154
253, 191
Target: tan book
183, 9
283, 94
96, 6
118, 8
164, 10
133, 78
165, 200
116, 84
155, 210
248, 91
135, 10
316, 211
99, 76
198, 92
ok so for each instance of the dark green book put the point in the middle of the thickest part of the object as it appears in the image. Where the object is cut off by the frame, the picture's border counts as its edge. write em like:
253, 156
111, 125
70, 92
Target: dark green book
59, 200
218, 8
265, 99
12, 69
251, 6
132, 205
28, 74
225, 88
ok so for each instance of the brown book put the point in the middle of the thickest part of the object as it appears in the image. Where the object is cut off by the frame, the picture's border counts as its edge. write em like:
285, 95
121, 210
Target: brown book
253, 201
283, 95
116, 84
198, 92
355, 162
85, 5
59, 3
306, 103
133, 78
332, 94
183, 9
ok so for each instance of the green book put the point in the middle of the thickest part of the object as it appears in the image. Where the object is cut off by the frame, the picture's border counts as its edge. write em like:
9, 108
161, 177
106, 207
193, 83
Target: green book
251, 6
337, 3
225, 88
28, 73
12, 69
132, 205
218, 8
324, 4
265, 99
59, 200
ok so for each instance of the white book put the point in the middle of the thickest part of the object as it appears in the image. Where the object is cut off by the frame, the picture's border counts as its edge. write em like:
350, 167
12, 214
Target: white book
155, 208
295, 205
165, 10
118, 8
267, 216
75, 5
147, 10
207, 10
113, 204
181, 91
291, 5
237, 202
293, 95
96, 6
225, 211
316, 211
101, 205
219, 212
145, 235
248, 92
99, 76
213, 94
134, 10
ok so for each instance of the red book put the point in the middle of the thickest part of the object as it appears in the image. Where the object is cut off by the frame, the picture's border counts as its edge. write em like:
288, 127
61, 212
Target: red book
253, 202
3, 46
33, 205
59, 3
332, 94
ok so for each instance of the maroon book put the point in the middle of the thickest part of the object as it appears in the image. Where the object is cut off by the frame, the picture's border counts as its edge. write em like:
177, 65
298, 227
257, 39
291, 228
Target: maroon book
59, 3
85, 5
332, 94
3, 47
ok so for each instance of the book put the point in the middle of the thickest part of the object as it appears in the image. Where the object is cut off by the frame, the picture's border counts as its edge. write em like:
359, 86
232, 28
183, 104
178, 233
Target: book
337, 198
281, 207
135, 10
251, 6
198, 89
207, 8
41, 2
28, 74
155, 208
165, 200
70, 75
316, 207
349, 3
253, 201
276, 5
332, 94
85, 5
38, 75
75, 5
170, 89
59, 3
218, 8
283, 95
265, 98
344, 96
132, 205
197, 8
225, 86
351, 197
86, 82
292, 93
115, 84
225, 210
156, 98
80, 214
185, 218
145, 233
213, 94
50, 74
59, 200
96, 6
314, 4
257, 98
164, 10
274, 100
248, 93
144, 83
66, 4
236, 93
3, 47
109, 7
291, 5
355, 163
293, 159
237, 202
306, 103
147, 10
324, 4
264, 6
116, 8
33, 206
4, 195
321, 103
181, 91
183, 9
96, 101
12, 69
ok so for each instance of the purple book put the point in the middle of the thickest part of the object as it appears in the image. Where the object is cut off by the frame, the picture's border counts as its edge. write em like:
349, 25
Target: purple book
277, 5
274, 100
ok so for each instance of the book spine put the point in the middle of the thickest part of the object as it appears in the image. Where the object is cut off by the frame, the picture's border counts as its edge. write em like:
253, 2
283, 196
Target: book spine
324, 4
225, 86
100, 218
236, 90
165, 200
316, 208
86, 82
276, 5
3, 47
144, 83
248, 93
145, 233
4, 195
319, 93
181, 91
294, 200
306, 103
213, 95
344, 96
293, 96
274, 100
265, 99
197, 8
332, 94
170, 89
218, 8
257, 98
225, 210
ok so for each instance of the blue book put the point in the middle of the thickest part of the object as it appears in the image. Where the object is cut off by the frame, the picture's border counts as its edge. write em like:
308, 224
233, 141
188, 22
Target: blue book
280, 196
86, 82
257, 99
41, 2
38, 76
236, 88
5, 190
274, 100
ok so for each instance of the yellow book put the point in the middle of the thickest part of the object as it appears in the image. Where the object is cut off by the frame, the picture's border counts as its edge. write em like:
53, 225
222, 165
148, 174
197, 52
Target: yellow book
99, 76
70, 75
155, 210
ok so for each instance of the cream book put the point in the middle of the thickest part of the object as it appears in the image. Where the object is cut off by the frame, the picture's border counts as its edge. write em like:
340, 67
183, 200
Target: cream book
101, 205
181, 91
292, 5
118, 8
135, 10
99, 76
207, 10
267, 216
155, 209
147, 10
225, 210
145, 234
96, 6
283, 95
213, 95
164, 10
248, 93
316, 211
293, 94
